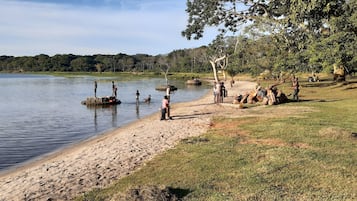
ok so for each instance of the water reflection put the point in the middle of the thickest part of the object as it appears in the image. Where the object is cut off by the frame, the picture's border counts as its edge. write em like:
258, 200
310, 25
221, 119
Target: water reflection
113, 109
137, 109
52, 115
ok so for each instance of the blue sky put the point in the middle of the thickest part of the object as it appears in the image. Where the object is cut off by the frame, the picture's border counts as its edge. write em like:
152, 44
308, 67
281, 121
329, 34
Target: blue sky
87, 27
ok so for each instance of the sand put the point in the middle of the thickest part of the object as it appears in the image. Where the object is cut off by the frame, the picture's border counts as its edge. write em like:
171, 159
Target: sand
100, 161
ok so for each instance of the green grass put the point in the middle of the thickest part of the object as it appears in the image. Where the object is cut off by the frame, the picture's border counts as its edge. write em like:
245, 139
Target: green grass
310, 157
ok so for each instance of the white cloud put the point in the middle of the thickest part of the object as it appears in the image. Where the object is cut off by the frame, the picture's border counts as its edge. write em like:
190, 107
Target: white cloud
34, 28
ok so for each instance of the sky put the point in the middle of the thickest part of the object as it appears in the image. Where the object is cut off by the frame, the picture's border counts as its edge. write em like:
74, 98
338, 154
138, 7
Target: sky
88, 27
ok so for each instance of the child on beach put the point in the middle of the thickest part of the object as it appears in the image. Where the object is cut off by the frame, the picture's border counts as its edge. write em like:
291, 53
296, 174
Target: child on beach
164, 107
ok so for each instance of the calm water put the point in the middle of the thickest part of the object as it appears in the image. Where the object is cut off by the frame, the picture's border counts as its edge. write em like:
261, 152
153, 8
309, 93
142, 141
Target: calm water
39, 114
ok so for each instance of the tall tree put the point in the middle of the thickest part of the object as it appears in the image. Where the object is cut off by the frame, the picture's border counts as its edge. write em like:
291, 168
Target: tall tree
164, 66
218, 57
337, 41
295, 23
229, 15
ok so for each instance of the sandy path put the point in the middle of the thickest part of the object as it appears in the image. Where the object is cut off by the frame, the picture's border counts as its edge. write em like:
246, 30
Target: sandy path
100, 161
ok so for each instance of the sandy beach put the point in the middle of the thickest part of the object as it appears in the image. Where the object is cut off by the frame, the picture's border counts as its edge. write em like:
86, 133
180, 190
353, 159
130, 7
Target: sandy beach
100, 161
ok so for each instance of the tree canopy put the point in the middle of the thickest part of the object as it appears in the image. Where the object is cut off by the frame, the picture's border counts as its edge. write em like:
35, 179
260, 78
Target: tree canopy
303, 34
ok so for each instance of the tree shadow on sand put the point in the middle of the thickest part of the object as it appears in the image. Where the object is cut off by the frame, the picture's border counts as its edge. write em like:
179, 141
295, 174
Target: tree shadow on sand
190, 116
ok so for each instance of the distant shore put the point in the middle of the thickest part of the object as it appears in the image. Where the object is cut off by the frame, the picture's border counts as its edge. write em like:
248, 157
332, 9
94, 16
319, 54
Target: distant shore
100, 161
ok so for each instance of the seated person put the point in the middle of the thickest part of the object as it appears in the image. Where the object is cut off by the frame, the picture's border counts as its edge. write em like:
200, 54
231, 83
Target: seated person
148, 99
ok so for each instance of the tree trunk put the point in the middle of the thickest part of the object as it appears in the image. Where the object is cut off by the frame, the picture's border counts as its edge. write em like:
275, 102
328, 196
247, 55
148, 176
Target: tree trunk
214, 62
214, 68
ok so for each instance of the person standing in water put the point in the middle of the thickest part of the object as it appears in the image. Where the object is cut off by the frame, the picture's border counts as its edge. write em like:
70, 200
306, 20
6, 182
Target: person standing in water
114, 88
137, 96
148, 99
95, 88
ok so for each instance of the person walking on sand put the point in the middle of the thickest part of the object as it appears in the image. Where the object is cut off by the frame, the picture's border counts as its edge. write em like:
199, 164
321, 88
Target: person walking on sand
215, 92
95, 88
232, 83
223, 92
168, 92
164, 107
218, 92
296, 87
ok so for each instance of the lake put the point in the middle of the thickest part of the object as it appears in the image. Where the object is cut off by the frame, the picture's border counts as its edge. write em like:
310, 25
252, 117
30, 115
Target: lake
40, 114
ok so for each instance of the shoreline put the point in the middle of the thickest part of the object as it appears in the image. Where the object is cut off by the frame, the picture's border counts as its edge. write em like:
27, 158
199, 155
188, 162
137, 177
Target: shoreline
51, 154
69, 147
102, 159
65, 149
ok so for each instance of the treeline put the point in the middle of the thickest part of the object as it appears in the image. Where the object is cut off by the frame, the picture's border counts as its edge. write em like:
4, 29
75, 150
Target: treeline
185, 60
247, 54
283, 37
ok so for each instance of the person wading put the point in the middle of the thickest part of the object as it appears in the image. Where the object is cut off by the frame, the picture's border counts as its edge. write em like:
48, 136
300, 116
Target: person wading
95, 88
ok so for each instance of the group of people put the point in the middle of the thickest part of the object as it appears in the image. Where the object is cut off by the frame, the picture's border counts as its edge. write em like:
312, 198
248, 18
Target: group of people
165, 106
146, 100
114, 89
219, 92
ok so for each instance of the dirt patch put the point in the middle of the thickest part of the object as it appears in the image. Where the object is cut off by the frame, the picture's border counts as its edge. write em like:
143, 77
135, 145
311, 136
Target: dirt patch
275, 142
271, 142
334, 133
230, 127
149, 193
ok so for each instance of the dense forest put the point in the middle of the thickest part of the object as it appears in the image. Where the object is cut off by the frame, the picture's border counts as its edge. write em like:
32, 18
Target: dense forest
278, 36
177, 61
